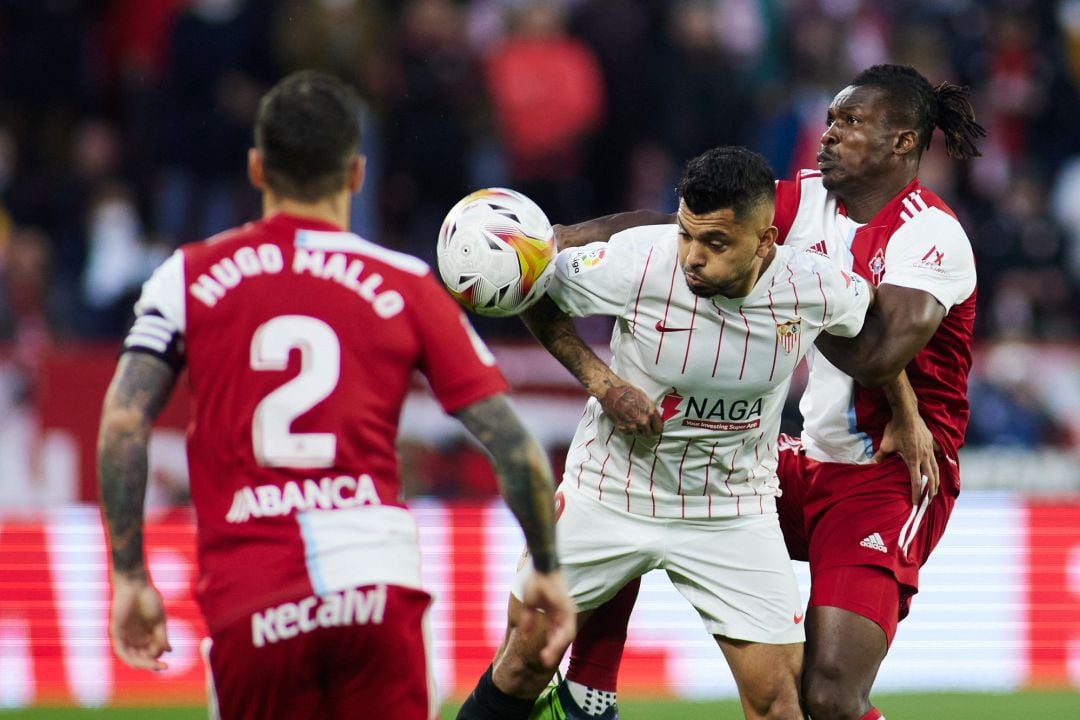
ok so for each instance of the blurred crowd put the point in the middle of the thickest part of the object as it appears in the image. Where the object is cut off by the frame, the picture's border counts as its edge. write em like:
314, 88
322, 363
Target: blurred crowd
124, 126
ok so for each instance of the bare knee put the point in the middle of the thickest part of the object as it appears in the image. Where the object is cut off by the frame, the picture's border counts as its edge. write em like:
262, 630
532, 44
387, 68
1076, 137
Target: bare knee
782, 705
828, 695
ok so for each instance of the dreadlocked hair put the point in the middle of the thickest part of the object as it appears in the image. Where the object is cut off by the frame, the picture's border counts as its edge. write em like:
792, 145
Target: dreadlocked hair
914, 102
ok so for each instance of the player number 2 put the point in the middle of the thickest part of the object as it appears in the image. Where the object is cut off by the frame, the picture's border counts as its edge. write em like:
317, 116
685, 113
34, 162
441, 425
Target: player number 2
320, 366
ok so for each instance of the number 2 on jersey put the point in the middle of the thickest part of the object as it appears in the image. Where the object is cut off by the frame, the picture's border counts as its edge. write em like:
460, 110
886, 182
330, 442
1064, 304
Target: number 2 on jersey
320, 367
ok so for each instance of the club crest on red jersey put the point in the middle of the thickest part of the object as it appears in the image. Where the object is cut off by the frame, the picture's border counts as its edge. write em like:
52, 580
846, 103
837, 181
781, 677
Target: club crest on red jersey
788, 334
877, 266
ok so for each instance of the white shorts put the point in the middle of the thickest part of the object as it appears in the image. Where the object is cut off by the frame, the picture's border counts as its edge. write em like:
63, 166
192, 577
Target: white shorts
735, 571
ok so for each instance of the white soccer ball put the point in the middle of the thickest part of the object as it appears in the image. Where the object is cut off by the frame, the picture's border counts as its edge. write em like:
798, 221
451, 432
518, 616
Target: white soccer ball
495, 252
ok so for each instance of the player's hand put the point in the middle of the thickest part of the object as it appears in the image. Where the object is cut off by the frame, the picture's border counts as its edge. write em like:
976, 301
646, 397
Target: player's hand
547, 592
912, 441
138, 623
631, 410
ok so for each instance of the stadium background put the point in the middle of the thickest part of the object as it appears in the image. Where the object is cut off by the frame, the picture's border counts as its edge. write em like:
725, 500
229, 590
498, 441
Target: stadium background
123, 131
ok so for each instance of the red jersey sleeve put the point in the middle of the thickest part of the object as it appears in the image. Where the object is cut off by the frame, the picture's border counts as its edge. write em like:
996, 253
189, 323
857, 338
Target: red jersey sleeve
787, 205
458, 365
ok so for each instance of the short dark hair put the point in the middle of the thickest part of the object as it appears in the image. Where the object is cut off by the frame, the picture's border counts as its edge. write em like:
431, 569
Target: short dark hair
913, 102
308, 129
727, 177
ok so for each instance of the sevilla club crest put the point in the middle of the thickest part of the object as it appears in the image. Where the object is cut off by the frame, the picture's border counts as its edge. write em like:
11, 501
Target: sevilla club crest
787, 333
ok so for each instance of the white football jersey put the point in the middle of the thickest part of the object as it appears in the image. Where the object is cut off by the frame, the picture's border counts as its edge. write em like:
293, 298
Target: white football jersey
718, 370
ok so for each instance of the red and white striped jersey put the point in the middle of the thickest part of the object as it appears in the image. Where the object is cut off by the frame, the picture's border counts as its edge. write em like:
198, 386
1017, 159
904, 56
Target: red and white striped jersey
300, 342
914, 241
718, 370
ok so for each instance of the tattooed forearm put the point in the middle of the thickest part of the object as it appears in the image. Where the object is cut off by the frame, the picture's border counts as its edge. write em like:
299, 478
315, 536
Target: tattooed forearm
523, 472
556, 332
138, 392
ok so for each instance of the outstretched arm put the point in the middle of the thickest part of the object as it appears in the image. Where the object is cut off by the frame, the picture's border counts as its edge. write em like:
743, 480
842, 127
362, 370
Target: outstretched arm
897, 327
628, 407
526, 484
601, 228
907, 436
141, 386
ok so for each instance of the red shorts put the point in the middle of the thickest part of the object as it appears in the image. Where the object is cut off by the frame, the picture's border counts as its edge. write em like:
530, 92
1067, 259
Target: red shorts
838, 515
360, 652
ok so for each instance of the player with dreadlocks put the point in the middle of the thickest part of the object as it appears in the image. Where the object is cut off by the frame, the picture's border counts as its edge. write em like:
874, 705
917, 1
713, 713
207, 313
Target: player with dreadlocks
869, 487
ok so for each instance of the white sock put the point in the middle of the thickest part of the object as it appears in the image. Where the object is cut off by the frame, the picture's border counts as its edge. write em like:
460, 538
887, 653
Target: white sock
591, 700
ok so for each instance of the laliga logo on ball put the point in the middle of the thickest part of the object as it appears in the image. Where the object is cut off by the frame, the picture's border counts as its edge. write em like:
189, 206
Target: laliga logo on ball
495, 252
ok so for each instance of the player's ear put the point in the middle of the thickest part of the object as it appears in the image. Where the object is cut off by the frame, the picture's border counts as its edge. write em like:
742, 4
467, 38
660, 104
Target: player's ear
906, 142
256, 169
766, 240
356, 171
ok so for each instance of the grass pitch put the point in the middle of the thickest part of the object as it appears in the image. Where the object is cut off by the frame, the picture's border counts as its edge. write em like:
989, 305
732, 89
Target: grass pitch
924, 706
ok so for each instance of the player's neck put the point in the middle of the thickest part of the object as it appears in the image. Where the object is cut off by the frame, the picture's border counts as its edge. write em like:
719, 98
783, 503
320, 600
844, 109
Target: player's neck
333, 209
861, 204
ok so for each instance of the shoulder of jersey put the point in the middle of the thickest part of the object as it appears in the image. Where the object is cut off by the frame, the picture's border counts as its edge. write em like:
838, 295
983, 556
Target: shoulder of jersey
330, 241
643, 233
312, 240
923, 208
801, 261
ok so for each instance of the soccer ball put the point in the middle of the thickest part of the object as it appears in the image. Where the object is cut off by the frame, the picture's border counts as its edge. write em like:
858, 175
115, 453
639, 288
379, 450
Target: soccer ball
495, 252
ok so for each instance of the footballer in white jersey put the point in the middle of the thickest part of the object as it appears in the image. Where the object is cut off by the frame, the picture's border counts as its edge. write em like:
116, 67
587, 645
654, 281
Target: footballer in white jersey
711, 319
718, 370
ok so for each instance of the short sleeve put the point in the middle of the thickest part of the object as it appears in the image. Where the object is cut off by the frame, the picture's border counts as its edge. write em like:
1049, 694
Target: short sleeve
458, 365
160, 316
787, 207
601, 278
932, 253
849, 296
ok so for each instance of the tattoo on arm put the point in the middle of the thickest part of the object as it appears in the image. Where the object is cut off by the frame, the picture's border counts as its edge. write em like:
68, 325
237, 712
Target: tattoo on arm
141, 386
523, 472
556, 332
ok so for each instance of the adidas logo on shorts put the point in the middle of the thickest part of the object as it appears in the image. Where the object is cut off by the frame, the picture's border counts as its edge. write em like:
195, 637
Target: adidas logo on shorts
874, 542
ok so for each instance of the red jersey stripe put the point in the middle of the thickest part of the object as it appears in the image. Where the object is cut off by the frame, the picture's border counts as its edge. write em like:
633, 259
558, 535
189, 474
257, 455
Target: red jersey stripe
690, 334
667, 306
641, 285
746, 343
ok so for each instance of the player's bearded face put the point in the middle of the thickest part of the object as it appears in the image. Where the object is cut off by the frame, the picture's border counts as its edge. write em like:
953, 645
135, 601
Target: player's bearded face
857, 143
721, 254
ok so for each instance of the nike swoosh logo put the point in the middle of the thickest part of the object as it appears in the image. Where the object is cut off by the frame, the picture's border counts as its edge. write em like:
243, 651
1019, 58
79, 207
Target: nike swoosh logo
660, 327
798, 618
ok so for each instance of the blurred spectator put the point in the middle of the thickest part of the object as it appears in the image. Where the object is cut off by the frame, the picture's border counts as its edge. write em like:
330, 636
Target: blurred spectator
119, 259
25, 304
219, 64
700, 101
348, 38
1006, 410
434, 107
1065, 205
548, 95
1021, 254
135, 40
621, 33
